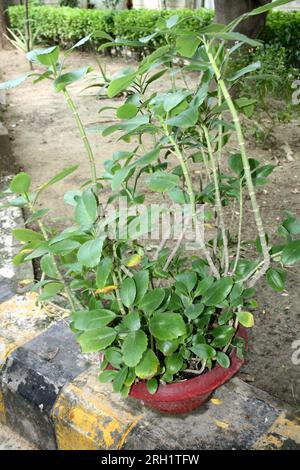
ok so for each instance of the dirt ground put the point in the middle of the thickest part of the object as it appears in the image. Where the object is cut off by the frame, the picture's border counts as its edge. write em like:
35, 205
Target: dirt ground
45, 142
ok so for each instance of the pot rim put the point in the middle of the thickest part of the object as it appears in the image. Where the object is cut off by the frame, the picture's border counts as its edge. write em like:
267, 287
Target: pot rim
201, 385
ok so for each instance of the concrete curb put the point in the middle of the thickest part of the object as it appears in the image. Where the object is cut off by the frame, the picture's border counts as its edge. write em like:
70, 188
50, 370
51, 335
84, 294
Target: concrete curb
51, 396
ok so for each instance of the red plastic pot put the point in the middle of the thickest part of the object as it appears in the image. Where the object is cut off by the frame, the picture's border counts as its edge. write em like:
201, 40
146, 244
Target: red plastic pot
183, 397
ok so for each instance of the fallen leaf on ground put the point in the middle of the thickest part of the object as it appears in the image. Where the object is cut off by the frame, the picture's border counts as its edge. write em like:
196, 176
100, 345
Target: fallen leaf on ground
221, 424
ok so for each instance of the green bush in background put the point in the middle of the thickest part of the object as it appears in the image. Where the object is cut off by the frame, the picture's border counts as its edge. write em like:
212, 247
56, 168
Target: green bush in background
66, 25
68, 3
283, 30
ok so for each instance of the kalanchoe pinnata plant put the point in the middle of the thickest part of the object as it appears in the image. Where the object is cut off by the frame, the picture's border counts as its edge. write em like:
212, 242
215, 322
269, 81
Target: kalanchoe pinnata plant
158, 318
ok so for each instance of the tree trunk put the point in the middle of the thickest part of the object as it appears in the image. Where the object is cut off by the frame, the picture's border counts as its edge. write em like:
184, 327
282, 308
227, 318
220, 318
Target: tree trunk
4, 24
228, 10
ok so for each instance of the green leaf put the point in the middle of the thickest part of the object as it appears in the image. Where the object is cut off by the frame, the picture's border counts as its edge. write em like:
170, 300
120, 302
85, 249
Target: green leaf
86, 209
119, 379
268, 7
14, 83
235, 163
292, 225
167, 325
48, 267
96, 340
167, 347
50, 290
204, 351
129, 126
130, 379
233, 36
152, 300
172, 21
63, 247
141, 279
61, 175
127, 111
178, 196
26, 235
237, 291
20, 184
107, 376
162, 182
132, 321
148, 158
187, 44
174, 363
128, 292
36, 215
203, 285
134, 347
92, 319
291, 253
185, 119
223, 360
47, 56
171, 100
152, 386
188, 278
276, 279
66, 79
119, 177
245, 70
246, 319
120, 84
113, 356
84, 40
218, 292
194, 311
89, 253
148, 366
104, 269
222, 336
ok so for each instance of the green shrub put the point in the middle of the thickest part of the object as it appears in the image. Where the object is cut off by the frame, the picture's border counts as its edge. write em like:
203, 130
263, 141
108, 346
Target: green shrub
283, 30
63, 25
68, 3
66, 25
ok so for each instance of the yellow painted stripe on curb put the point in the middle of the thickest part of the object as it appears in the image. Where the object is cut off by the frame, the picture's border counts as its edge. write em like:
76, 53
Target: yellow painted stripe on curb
2, 409
89, 416
282, 429
21, 320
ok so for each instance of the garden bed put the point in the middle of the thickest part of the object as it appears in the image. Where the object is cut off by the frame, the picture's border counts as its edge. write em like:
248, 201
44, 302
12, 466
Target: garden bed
45, 142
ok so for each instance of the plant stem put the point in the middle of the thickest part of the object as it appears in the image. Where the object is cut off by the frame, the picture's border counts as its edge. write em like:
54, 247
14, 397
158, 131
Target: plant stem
247, 170
116, 283
220, 132
118, 298
191, 194
239, 243
60, 276
83, 135
27, 30
218, 200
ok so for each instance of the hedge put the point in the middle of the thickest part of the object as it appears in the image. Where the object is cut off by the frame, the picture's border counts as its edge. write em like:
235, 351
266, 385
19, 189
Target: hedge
283, 30
67, 25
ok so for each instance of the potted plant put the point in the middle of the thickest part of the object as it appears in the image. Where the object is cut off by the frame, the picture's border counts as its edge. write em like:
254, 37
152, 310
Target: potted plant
170, 325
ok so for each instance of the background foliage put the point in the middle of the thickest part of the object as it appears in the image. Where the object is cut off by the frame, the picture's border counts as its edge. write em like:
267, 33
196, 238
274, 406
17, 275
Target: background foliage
66, 25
